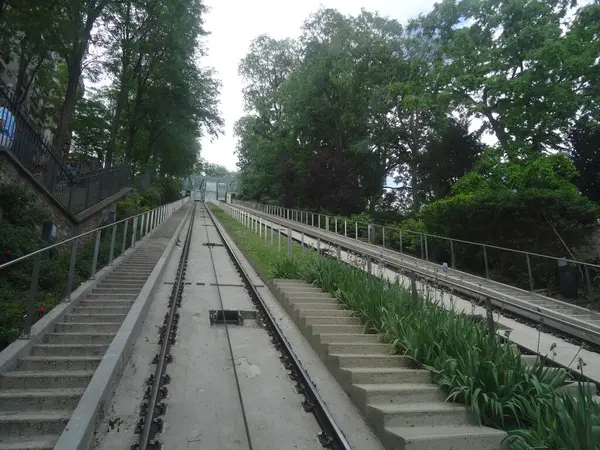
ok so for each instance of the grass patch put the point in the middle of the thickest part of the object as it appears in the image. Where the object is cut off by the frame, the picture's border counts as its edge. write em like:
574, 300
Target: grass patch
473, 367
262, 254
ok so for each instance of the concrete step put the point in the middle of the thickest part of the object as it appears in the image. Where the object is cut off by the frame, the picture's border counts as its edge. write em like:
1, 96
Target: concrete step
325, 300
121, 284
42, 442
45, 380
79, 338
335, 329
105, 303
418, 414
324, 312
314, 306
391, 392
91, 310
114, 296
82, 327
95, 318
32, 423
443, 437
351, 338
382, 375
358, 348
311, 320
371, 360
125, 278
316, 296
59, 363
69, 350
396, 393
117, 290
40, 399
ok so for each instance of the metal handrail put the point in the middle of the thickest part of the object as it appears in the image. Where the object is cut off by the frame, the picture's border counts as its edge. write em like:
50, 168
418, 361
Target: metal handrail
58, 244
148, 220
418, 233
580, 328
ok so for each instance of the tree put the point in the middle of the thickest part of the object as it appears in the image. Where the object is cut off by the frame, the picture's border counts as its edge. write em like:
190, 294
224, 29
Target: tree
505, 64
450, 153
585, 153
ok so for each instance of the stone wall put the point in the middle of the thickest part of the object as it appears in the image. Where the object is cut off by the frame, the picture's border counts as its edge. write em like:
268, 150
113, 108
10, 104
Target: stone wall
93, 217
10, 174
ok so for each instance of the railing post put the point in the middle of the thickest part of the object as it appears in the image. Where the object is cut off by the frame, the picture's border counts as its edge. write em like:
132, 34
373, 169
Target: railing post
345, 228
259, 227
124, 237
35, 275
422, 247
485, 260
327, 222
272, 233
96, 252
319, 221
530, 273
413, 289
400, 235
335, 224
135, 223
302, 245
68, 289
148, 220
111, 254
383, 234
452, 260
588, 280
426, 248
339, 252
312, 219
289, 247
279, 241
356, 229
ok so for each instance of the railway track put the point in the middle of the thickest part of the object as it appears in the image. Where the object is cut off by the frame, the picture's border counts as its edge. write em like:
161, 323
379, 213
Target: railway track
159, 414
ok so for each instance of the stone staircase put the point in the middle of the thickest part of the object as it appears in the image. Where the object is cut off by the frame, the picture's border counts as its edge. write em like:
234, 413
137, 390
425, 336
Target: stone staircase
398, 400
39, 395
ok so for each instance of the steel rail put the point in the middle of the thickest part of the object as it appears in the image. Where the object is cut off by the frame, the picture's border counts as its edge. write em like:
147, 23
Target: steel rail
332, 435
147, 427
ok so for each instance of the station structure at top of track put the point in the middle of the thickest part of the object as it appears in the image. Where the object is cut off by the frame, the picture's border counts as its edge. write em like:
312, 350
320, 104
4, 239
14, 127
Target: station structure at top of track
151, 423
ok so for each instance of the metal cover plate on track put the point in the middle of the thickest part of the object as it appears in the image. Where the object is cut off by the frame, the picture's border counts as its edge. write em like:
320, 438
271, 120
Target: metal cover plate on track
212, 244
235, 317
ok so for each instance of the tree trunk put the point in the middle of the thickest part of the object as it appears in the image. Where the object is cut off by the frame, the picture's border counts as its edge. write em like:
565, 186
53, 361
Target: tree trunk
413, 164
116, 122
68, 107
123, 93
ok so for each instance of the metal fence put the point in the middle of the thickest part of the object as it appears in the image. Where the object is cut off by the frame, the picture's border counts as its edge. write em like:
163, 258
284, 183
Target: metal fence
74, 189
549, 275
62, 261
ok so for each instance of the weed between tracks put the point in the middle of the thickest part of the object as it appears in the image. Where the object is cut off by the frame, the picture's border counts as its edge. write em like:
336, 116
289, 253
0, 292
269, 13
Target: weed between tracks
489, 377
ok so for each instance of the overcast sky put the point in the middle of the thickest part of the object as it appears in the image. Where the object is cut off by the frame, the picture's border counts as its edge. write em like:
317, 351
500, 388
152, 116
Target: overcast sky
233, 24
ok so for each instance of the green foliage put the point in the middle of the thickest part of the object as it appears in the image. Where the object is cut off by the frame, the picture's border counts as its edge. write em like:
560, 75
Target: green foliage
535, 197
21, 235
256, 248
482, 372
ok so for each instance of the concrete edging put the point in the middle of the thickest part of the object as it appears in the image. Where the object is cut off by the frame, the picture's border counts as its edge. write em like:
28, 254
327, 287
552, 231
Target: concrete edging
78, 433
